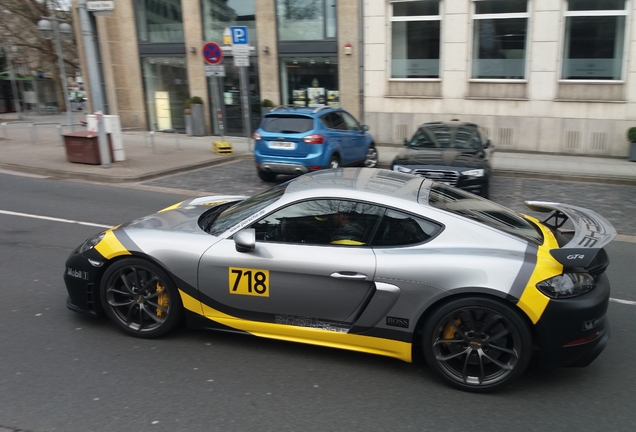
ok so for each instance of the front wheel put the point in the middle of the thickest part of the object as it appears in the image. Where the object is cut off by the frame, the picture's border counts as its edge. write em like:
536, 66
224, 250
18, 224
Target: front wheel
371, 160
140, 298
477, 344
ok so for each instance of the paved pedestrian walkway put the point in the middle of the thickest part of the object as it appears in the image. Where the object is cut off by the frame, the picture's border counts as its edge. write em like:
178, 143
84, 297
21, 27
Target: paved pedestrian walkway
35, 146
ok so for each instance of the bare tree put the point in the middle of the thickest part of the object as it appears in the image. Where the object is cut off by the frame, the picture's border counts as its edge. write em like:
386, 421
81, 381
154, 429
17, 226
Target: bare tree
19, 27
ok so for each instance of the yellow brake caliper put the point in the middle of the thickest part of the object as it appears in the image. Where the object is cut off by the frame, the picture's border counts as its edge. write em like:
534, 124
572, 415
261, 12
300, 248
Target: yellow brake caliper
449, 329
163, 299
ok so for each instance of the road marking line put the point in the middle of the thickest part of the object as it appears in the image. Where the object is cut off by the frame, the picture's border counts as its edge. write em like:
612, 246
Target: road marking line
627, 302
53, 219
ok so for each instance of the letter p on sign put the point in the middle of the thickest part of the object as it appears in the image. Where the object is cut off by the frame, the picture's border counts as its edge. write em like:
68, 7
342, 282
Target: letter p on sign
239, 35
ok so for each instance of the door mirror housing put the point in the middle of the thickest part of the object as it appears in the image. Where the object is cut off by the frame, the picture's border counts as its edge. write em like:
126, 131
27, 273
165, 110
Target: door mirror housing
365, 128
245, 240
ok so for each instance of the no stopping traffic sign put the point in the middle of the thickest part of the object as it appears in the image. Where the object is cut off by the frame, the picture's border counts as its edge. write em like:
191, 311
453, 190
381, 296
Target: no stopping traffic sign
212, 53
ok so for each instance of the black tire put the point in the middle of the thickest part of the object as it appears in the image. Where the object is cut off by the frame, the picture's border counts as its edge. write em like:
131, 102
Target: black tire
334, 162
140, 298
371, 159
266, 176
458, 344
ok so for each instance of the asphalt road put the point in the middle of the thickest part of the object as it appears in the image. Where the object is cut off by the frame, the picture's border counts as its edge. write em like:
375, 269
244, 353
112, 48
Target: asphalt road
61, 371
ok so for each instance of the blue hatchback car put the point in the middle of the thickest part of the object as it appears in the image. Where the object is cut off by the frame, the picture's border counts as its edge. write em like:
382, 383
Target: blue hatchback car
293, 140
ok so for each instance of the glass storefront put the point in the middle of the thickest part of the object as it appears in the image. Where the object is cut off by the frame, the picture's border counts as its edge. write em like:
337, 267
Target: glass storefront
230, 98
310, 81
166, 85
159, 21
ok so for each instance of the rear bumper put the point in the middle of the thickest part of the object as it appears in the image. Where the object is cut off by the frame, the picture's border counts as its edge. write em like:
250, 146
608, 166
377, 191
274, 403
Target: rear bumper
282, 168
573, 332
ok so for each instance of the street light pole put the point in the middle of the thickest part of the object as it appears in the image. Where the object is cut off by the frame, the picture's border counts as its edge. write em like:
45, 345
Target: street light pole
44, 26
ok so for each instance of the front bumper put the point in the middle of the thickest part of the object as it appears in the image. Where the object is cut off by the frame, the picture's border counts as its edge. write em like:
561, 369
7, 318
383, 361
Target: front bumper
573, 332
82, 284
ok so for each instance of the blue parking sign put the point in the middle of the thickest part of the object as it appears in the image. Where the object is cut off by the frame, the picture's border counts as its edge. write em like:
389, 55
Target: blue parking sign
239, 35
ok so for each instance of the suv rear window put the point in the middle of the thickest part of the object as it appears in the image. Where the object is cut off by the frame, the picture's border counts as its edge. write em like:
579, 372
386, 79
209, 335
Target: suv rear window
287, 123
482, 210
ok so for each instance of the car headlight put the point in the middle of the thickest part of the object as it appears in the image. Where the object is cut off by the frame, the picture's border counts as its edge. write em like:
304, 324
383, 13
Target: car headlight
567, 285
91, 242
400, 168
474, 173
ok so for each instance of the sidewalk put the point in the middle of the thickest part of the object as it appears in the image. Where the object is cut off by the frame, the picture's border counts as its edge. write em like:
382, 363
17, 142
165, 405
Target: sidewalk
45, 155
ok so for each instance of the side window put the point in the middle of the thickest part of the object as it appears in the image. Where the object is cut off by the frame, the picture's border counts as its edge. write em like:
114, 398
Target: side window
327, 120
352, 124
401, 229
321, 222
336, 121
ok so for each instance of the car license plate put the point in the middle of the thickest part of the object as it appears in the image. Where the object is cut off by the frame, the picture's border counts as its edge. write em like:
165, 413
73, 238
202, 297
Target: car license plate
285, 145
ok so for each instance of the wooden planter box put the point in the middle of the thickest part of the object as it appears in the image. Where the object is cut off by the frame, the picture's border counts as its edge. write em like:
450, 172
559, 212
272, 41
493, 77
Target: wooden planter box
83, 147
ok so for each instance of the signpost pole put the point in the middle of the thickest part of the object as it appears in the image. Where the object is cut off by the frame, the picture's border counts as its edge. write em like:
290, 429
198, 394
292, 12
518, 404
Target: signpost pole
218, 95
244, 81
241, 52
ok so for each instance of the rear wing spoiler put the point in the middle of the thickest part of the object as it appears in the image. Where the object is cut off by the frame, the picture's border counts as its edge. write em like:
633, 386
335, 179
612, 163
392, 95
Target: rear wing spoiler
591, 231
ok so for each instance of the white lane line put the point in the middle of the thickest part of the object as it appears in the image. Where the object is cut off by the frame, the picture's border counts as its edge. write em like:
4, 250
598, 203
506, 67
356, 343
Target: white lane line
627, 302
53, 219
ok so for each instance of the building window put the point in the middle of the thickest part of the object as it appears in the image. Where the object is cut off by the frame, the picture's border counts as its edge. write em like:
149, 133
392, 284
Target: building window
594, 40
310, 81
415, 39
306, 19
166, 85
218, 15
159, 21
499, 39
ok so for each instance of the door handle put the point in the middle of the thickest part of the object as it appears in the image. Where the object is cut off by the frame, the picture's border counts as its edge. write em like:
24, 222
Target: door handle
348, 275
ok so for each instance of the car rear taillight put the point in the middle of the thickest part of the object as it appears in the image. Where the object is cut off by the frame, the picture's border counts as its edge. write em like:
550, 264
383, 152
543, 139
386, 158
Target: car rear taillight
314, 139
256, 136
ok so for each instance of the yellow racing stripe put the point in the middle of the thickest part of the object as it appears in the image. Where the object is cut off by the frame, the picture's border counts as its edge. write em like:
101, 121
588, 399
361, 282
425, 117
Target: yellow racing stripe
110, 246
532, 301
314, 336
174, 206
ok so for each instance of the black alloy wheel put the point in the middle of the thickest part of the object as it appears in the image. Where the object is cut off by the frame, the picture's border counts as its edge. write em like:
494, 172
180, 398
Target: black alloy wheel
477, 344
371, 160
140, 298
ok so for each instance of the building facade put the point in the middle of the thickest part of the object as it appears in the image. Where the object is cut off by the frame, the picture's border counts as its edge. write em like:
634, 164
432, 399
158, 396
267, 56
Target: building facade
556, 76
151, 57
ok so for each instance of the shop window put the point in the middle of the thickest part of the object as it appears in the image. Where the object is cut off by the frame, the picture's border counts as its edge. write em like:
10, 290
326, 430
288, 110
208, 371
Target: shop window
594, 40
499, 39
306, 19
166, 85
415, 39
218, 15
159, 21
310, 81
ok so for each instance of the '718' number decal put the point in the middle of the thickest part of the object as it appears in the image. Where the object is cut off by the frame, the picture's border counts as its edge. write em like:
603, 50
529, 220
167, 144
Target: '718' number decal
246, 281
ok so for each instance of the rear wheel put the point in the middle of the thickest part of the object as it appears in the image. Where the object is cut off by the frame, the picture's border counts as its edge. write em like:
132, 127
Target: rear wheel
140, 298
334, 162
266, 176
477, 344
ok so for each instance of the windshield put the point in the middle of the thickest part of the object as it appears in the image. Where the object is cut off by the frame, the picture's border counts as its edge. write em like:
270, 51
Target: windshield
440, 136
482, 210
287, 123
245, 209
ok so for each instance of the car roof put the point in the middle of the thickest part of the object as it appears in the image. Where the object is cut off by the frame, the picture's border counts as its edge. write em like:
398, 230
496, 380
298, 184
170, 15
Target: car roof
363, 183
290, 109
450, 124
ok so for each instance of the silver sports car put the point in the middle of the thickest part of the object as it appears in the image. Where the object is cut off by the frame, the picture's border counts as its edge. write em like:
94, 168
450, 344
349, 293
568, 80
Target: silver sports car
368, 260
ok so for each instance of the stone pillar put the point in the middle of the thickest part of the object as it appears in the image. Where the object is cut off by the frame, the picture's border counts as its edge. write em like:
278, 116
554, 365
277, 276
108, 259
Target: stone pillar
349, 64
268, 74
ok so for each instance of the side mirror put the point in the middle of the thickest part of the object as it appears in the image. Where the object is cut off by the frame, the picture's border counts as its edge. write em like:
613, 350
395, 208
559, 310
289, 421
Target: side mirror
245, 240
487, 144
406, 142
365, 128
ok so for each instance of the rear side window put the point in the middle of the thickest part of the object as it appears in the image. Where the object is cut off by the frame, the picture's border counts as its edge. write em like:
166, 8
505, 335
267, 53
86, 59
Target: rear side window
482, 210
287, 123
